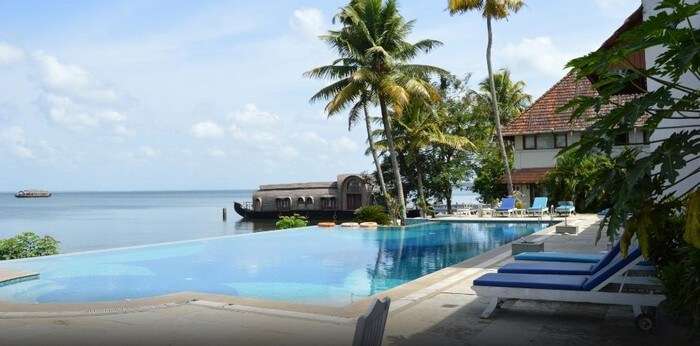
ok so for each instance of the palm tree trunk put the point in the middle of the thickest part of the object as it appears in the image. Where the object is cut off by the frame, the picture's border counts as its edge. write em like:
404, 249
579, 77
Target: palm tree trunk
494, 106
421, 190
449, 202
375, 157
386, 118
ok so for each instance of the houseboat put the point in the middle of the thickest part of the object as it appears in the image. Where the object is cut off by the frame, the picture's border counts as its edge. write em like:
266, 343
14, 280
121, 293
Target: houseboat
317, 200
33, 194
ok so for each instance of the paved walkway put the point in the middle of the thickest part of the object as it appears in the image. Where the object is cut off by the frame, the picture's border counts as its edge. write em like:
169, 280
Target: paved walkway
445, 314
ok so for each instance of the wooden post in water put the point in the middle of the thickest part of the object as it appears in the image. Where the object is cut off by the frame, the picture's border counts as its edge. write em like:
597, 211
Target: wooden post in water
223, 214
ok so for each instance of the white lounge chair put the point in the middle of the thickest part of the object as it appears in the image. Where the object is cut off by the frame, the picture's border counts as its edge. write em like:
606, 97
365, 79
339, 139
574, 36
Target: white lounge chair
574, 288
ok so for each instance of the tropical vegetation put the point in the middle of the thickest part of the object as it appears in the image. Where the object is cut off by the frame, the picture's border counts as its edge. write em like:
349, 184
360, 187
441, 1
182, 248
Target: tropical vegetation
372, 213
27, 244
654, 193
293, 221
374, 62
577, 177
491, 10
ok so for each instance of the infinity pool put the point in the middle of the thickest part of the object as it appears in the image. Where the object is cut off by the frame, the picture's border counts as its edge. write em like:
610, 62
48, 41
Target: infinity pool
332, 267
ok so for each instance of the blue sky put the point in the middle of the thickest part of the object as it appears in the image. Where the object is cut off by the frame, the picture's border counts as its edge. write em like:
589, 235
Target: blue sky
133, 95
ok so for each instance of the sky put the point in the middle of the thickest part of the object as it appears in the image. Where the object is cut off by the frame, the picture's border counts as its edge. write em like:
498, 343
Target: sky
190, 95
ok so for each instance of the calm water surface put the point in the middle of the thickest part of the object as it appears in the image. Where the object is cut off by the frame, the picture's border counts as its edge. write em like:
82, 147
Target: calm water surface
308, 265
100, 220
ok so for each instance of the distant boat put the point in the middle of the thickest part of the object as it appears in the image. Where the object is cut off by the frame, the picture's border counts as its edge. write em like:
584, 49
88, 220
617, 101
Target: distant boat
317, 200
336, 200
33, 194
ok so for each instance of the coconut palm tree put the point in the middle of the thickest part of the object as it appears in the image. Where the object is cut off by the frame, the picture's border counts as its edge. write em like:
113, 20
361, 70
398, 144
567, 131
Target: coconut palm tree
511, 96
374, 56
361, 106
491, 10
419, 127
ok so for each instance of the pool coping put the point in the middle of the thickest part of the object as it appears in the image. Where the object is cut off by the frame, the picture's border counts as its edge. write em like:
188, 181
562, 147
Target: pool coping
402, 296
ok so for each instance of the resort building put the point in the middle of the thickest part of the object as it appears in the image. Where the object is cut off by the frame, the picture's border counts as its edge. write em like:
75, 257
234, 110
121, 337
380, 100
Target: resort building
541, 132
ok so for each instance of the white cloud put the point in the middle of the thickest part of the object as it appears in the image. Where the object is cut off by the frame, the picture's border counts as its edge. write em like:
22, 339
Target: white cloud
537, 53
207, 129
74, 99
10, 54
618, 6
148, 152
310, 137
216, 153
308, 21
15, 139
344, 145
250, 115
121, 130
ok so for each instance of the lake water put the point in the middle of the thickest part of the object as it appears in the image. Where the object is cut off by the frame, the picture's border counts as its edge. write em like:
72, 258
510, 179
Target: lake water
99, 220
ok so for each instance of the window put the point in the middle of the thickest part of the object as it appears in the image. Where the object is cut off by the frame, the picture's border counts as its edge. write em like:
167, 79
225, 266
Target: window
300, 202
622, 139
283, 203
257, 204
560, 140
529, 142
354, 185
309, 201
545, 141
328, 203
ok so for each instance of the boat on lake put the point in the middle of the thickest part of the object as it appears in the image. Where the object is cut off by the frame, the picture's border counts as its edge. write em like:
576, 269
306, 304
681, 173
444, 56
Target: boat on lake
316, 200
33, 194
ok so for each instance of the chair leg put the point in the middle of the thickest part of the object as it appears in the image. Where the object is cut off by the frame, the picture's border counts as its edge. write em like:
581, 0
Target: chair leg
493, 304
636, 310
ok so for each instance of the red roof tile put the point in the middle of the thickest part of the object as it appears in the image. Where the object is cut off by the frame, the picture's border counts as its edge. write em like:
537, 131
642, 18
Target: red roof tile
528, 175
542, 116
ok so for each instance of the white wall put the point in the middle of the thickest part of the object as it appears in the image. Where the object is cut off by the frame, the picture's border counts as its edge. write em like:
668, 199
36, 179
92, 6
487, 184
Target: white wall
688, 80
535, 158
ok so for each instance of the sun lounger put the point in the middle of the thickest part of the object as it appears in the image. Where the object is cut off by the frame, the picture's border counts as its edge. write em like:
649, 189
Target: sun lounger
561, 268
565, 208
539, 206
507, 206
570, 288
553, 256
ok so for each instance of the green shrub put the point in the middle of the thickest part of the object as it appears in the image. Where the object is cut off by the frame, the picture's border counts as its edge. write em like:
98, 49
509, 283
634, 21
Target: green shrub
372, 213
488, 182
681, 282
579, 179
293, 221
27, 244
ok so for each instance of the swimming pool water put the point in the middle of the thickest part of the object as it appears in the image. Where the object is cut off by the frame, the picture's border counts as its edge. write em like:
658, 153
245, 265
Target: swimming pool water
332, 267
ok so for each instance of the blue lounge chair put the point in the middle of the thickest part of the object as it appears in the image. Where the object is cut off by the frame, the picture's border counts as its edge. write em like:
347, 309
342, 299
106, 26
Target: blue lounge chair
553, 256
507, 206
565, 208
539, 206
573, 288
562, 268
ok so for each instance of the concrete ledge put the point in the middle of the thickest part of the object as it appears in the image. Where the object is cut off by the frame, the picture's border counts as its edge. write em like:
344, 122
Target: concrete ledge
9, 277
569, 229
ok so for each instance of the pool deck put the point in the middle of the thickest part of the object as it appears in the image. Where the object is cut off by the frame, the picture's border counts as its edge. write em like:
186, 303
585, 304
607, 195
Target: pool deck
437, 309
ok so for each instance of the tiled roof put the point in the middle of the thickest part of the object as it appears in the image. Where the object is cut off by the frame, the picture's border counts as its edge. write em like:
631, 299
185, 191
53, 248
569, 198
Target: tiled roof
542, 116
528, 175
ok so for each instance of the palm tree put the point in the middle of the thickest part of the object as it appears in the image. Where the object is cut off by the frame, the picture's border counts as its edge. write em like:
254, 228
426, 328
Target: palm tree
511, 96
491, 10
352, 118
374, 57
418, 128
